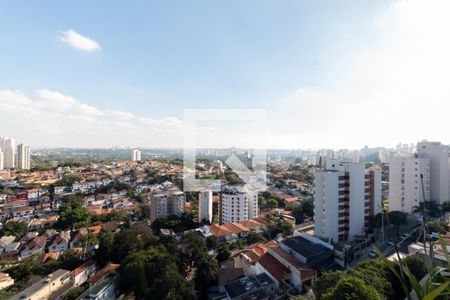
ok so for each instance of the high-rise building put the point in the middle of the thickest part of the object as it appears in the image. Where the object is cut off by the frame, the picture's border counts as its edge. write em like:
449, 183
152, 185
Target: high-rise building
23, 157
1, 159
205, 203
346, 196
9, 153
438, 155
238, 204
405, 182
136, 156
166, 203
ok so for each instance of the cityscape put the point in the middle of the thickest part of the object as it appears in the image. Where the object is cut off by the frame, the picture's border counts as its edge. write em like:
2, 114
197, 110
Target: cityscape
224, 151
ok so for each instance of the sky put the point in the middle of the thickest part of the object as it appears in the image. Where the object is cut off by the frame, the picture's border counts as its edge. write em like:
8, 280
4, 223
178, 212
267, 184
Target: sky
328, 74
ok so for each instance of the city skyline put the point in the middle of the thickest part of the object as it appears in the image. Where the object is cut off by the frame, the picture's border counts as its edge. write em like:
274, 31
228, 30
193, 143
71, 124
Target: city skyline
324, 72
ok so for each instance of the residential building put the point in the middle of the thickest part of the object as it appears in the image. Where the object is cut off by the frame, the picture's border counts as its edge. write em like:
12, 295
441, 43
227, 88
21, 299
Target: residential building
346, 196
406, 175
8, 149
438, 155
44, 288
5, 280
169, 202
252, 287
23, 157
136, 156
205, 202
238, 204
1, 160
81, 274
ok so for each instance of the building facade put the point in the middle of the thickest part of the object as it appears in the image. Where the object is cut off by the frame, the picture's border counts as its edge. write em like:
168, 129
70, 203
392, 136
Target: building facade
237, 205
9, 153
205, 202
136, 155
166, 203
23, 157
438, 155
405, 182
346, 196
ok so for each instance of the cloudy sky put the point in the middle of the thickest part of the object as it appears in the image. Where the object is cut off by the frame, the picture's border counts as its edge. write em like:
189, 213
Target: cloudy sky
337, 74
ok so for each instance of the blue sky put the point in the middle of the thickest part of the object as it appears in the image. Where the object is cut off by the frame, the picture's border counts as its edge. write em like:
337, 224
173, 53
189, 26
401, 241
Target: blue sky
158, 58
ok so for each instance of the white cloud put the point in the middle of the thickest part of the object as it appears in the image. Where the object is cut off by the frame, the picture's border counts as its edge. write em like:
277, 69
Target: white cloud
78, 41
54, 119
396, 89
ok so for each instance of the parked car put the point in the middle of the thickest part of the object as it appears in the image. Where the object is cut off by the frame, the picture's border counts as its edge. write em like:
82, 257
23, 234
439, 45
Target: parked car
373, 254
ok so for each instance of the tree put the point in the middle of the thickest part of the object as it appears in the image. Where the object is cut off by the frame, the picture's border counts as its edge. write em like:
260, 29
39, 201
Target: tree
207, 273
223, 253
326, 281
253, 238
374, 274
153, 274
212, 242
136, 238
69, 179
308, 208
397, 218
73, 293
446, 206
351, 288
17, 229
105, 249
72, 215
272, 203
298, 214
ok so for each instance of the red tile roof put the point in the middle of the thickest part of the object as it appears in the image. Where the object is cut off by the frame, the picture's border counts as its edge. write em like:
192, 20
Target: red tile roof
273, 266
83, 267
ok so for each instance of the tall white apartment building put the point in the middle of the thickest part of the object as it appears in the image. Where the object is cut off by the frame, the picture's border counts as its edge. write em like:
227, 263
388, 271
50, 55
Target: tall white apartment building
237, 205
9, 153
166, 203
1, 160
346, 196
205, 203
438, 155
405, 182
23, 157
136, 155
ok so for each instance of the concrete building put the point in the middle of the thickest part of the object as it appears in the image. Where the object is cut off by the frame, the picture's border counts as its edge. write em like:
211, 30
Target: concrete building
237, 205
46, 287
205, 210
405, 187
23, 157
346, 196
1, 160
9, 153
438, 155
166, 203
136, 156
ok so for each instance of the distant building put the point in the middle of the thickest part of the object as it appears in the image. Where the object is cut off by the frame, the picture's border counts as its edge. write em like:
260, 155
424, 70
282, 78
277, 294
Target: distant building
205, 210
136, 156
1, 160
9, 153
438, 155
166, 203
237, 205
346, 196
23, 157
405, 187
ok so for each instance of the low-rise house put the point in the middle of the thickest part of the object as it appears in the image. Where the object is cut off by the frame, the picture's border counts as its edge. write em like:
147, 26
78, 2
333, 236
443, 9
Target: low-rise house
5, 241
33, 193
59, 190
103, 273
59, 242
253, 287
35, 246
5, 280
20, 212
81, 274
46, 287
